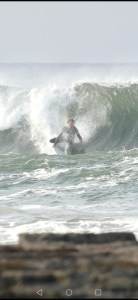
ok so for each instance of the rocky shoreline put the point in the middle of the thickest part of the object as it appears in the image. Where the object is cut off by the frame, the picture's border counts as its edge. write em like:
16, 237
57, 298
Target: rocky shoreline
62, 266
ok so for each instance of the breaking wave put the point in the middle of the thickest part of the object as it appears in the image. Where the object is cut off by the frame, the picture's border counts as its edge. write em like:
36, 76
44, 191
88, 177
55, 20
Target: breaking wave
106, 116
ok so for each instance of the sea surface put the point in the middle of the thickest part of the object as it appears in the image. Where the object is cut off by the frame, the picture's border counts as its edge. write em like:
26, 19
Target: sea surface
92, 192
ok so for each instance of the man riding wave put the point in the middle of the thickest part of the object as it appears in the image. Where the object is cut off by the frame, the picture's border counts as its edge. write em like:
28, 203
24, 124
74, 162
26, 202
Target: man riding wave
67, 136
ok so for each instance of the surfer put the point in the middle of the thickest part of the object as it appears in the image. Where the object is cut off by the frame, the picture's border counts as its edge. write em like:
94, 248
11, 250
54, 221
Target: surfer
67, 136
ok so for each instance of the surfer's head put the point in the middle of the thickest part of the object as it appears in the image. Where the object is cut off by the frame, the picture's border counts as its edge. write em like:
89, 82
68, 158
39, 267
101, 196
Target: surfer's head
70, 123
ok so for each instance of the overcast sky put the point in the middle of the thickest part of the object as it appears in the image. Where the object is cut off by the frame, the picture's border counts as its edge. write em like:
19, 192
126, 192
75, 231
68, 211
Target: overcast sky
69, 32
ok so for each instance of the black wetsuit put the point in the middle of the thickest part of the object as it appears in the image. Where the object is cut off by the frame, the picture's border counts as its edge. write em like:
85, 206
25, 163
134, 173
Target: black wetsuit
68, 135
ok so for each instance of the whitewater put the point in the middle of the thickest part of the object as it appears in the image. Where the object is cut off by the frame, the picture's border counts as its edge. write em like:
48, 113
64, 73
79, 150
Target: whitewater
92, 192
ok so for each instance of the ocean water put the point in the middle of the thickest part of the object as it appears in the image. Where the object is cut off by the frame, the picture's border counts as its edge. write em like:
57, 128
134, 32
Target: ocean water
44, 192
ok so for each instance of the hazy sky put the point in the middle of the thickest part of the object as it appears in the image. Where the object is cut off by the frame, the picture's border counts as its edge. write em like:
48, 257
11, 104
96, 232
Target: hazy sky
69, 31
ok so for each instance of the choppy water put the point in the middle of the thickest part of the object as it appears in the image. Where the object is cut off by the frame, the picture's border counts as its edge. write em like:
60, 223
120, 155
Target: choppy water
92, 192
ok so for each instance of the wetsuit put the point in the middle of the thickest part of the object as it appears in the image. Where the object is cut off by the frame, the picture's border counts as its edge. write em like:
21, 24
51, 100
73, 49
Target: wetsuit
67, 136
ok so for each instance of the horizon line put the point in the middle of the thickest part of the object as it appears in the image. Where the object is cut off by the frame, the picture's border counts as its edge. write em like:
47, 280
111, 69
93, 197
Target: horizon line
65, 63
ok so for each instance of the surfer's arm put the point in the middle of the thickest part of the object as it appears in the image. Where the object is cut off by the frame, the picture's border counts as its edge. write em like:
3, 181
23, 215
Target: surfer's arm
78, 135
58, 138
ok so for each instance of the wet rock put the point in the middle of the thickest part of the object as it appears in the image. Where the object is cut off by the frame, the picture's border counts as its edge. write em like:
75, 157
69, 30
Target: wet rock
87, 238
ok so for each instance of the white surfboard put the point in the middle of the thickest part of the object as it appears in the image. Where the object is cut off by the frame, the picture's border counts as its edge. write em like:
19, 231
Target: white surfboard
76, 148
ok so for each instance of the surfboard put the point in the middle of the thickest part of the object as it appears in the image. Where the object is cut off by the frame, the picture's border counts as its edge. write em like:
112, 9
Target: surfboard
76, 148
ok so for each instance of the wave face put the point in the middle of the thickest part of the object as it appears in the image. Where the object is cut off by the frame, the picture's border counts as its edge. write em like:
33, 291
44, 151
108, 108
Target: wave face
106, 115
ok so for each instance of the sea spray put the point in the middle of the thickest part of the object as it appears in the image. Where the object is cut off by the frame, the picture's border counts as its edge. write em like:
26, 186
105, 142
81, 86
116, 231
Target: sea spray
107, 116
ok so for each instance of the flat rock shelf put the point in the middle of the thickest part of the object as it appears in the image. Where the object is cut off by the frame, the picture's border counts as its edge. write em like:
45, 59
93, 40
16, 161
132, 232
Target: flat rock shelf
63, 266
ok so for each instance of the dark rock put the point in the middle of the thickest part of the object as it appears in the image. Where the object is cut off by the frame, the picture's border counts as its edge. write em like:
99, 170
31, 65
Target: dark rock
87, 238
